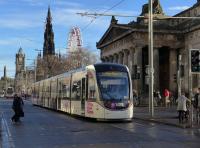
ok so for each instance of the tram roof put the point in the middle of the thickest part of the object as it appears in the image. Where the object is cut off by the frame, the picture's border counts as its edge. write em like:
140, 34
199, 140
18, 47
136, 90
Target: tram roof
84, 68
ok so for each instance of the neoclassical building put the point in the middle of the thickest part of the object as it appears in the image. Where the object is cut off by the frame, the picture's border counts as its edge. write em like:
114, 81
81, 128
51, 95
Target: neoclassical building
128, 44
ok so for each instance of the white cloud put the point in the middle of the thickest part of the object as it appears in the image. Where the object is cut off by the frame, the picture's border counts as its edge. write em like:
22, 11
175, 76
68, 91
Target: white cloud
16, 42
22, 21
34, 2
67, 3
179, 8
17, 24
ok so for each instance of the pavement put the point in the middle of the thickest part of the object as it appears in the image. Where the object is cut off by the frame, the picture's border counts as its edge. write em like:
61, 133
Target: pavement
163, 115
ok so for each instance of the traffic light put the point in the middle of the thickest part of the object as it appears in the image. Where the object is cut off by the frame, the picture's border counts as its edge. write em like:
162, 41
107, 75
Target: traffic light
195, 60
175, 78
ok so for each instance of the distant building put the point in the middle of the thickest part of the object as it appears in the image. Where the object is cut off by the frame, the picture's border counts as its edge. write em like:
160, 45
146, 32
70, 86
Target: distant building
46, 63
128, 44
5, 82
48, 46
24, 76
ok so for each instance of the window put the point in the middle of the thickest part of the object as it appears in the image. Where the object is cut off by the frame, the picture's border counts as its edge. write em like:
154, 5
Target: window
76, 90
92, 88
65, 91
64, 88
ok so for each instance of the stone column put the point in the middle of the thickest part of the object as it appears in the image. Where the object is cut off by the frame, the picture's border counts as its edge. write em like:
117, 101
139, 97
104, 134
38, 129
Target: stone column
115, 58
138, 62
125, 58
120, 59
111, 59
131, 60
107, 59
172, 69
156, 68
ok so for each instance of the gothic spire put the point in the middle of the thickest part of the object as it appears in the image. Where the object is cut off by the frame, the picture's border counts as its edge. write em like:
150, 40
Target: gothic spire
5, 75
49, 18
48, 47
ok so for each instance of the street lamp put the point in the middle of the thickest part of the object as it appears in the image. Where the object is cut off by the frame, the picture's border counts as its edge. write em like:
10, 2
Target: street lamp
150, 29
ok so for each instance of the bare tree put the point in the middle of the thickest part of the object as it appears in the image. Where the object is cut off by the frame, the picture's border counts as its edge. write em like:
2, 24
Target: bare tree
80, 58
52, 65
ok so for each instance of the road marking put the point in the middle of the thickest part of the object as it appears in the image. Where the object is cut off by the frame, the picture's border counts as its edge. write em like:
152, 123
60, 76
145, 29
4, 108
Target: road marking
7, 141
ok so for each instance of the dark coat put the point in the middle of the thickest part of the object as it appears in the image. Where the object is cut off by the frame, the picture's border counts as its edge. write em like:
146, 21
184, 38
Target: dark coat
195, 103
18, 106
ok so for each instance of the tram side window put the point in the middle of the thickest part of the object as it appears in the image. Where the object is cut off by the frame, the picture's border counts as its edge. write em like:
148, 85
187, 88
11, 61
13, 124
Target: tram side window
65, 91
92, 89
36, 91
76, 90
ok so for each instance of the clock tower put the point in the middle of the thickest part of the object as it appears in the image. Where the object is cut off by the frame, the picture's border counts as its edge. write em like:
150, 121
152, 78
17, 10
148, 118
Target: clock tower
20, 61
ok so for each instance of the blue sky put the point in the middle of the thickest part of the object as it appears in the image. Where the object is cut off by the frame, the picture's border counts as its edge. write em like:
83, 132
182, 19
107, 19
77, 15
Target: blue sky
22, 23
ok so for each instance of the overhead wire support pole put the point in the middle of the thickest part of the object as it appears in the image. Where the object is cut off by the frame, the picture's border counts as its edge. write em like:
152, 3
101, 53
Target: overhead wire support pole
150, 49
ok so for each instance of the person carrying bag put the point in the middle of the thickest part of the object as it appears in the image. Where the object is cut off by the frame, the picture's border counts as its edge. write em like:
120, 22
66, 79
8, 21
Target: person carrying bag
17, 108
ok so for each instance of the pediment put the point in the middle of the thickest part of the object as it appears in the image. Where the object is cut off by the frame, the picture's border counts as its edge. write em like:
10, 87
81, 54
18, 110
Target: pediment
112, 33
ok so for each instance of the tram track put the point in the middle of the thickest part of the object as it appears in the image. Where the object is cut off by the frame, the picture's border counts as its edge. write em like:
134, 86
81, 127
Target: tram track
6, 136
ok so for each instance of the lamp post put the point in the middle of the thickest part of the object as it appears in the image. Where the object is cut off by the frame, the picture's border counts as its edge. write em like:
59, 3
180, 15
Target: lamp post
151, 83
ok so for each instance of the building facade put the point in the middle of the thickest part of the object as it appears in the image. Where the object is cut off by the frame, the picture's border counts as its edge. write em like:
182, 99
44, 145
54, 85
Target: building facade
24, 76
173, 38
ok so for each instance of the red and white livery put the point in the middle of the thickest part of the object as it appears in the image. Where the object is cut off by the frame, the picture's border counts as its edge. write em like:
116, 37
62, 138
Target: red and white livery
100, 91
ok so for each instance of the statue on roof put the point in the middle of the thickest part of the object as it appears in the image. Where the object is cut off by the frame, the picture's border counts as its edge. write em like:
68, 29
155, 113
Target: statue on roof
157, 9
113, 20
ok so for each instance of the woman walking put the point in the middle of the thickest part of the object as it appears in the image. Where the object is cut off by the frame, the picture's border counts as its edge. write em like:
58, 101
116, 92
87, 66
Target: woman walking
18, 108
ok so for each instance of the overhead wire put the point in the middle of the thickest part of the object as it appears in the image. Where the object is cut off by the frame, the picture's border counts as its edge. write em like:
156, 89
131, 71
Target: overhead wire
95, 17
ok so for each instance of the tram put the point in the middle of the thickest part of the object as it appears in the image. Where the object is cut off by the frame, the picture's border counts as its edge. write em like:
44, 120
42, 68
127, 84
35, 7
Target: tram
101, 91
9, 92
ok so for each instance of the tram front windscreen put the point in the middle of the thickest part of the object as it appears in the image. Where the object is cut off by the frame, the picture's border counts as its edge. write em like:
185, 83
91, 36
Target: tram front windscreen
113, 85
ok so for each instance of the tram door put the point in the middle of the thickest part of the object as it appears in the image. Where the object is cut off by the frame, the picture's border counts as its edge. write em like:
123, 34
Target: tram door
83, 96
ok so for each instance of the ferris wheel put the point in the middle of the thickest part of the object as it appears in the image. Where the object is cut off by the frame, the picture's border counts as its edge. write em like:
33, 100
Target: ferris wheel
74, 39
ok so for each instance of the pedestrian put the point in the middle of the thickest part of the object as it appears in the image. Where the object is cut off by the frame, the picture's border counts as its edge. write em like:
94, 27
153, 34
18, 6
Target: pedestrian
182, 107
159, 98
196, 104
17, 107
155, 95
135, 97
166, 95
